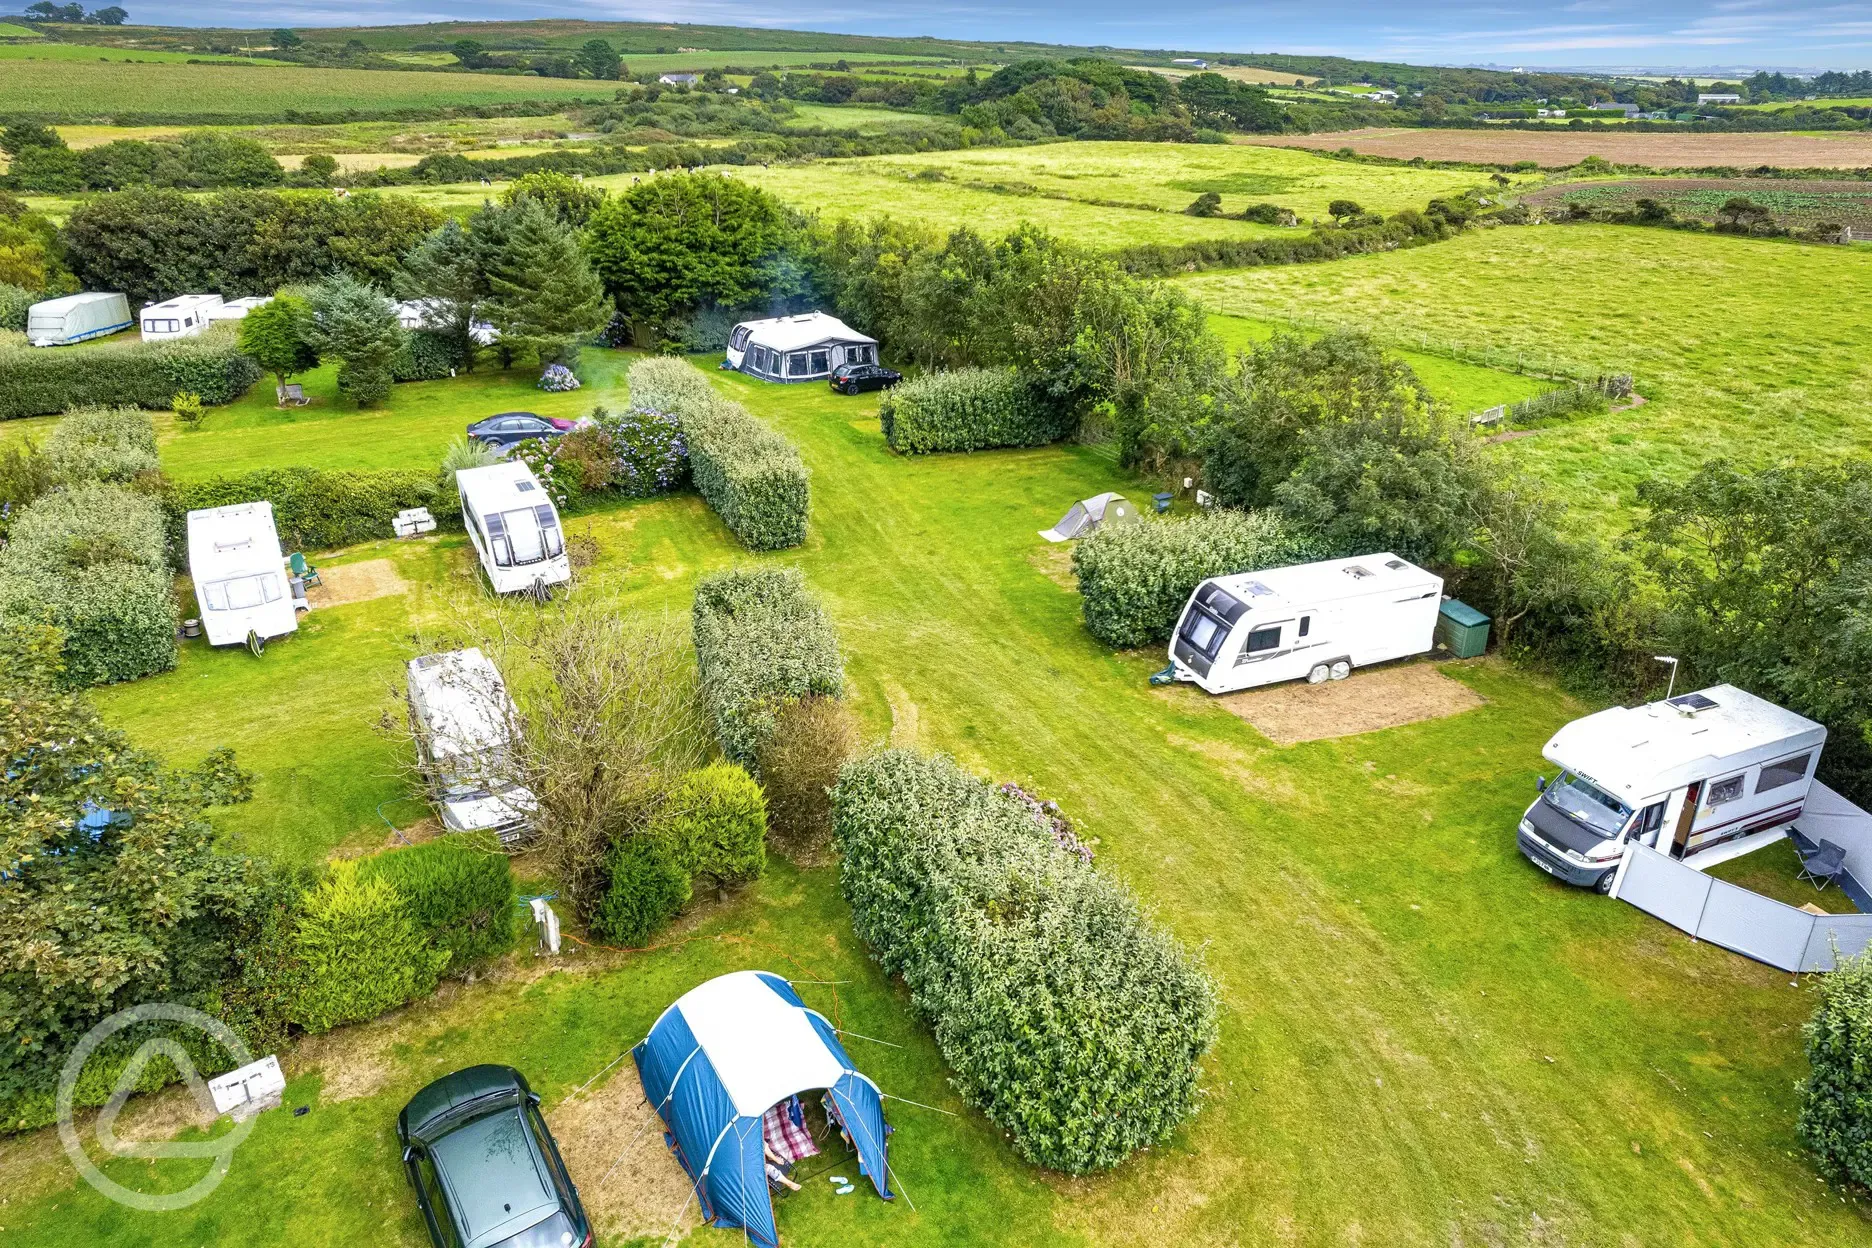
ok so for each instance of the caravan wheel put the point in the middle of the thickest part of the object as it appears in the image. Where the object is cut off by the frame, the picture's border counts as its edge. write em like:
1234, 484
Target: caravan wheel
1341, 670
1319, 674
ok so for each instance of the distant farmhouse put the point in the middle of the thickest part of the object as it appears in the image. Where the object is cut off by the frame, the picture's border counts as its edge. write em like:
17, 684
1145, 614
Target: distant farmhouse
1191, 61
1719, 97
1630, 110
679, 80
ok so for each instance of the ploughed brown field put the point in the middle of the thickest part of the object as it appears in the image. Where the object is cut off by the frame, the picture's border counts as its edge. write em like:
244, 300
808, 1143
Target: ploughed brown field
1560, 148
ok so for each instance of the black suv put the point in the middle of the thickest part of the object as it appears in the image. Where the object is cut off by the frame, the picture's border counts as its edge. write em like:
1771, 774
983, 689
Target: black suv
486, 1171
852, 378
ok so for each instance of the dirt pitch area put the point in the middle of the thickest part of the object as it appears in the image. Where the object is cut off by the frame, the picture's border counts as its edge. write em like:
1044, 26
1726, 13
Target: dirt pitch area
613, 1146
1380, 697
356, 582
1564, 148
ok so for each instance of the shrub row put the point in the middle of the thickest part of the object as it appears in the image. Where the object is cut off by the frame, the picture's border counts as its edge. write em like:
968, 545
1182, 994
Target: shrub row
102, 444
970, 409
1406, 229
460, 891
762, 640
1067, 1016
314, 509
92, 560
426, 356
1135, 579
39, 381
753, 478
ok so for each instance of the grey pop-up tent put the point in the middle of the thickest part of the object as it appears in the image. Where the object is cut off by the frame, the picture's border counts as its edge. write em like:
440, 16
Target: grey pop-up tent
1088, 514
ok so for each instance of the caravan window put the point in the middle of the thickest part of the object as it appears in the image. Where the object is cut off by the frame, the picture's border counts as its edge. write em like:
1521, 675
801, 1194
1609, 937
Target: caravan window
1261, 640
1306, 623
1787, 771
864, 353
524, 535
1725, 791
738, 339
240, 593
160, 327
821, 361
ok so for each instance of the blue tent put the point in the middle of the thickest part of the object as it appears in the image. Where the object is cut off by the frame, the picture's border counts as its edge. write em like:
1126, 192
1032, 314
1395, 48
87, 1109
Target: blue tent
724, 1054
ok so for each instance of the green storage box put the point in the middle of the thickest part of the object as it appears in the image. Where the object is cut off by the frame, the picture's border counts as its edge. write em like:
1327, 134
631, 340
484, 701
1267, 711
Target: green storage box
1461, 629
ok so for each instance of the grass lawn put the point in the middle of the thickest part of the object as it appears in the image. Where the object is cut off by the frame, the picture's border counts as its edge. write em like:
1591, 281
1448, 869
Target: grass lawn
1425, 1041
1721, 333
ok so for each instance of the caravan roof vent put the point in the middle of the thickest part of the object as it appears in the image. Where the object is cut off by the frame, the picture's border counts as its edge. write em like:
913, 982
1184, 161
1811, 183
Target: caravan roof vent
1394, 564
1357, 571
1691, 703
1257, 590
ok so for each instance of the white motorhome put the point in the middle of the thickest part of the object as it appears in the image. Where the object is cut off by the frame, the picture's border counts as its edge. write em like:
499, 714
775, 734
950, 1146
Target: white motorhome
181, 317
1703, 777
1317, 620
463, 721
74, 318
514, 527
240, 577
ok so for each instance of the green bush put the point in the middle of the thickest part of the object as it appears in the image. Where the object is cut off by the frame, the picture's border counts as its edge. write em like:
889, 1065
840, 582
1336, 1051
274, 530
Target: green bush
361, 951
15, 302
969, 409
762, 640
717, 819
103, 444
39, 381
426, 356
460, 891
753, 478
89, 526
1135, 579
1836, 1099
1065, 1015
313, 509
648, 888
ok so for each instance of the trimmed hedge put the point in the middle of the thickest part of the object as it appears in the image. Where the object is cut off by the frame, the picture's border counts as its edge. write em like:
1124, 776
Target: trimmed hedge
426, 356
1836, 1098
460, 891
1135, 579
360, 951
1064, 1013
716, 817
969, 409
648, 888
103, 444
753, 478
762, 640
39, 381
313, 509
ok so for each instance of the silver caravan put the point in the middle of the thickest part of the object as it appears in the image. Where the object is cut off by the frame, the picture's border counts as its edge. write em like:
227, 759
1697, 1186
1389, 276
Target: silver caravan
463, 720
1317, 620
514, 528
1703, 777
76, 318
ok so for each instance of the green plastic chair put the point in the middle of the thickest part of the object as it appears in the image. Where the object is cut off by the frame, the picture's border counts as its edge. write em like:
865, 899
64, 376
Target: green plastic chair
303, 570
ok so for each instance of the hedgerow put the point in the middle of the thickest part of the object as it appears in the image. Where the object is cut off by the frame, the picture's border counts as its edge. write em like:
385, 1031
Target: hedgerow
1836, 1098
103, 444
1064, 1013
39, 381
1135, 579
762, 640
753, 478
970, 409
313, 509
426, 356
360, 951
460, 891
716, 818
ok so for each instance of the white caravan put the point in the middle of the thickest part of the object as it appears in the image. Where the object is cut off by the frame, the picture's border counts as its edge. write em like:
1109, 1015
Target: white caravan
1317, 620
240, 575
1703, 777
74, 318
236, 309
463, 721
514, 528
181, 317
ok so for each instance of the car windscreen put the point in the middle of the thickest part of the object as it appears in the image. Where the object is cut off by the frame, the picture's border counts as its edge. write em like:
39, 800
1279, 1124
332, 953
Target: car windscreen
241, 593
1586, 803
525, 535
554, 1232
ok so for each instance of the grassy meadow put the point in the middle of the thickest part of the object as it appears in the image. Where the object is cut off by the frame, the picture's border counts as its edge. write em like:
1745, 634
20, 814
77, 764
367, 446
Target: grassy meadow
46, 50
1424, 1040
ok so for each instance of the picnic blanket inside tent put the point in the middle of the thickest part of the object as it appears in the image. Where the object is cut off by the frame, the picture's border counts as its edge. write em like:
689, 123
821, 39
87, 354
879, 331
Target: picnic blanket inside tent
722, 1056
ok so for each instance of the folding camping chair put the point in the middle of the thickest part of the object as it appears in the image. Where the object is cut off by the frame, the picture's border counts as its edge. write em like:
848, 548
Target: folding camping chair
1824, 866
303, 570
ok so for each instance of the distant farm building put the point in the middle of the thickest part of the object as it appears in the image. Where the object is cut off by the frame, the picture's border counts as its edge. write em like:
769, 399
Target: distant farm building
1192, 62
1719, 97
679, 80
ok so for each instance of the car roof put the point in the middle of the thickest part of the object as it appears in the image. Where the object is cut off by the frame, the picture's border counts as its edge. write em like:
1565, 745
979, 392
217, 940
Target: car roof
495, 1177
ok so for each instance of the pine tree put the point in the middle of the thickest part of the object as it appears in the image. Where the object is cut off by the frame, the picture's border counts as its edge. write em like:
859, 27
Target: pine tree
444, 270
354, 323
543, 295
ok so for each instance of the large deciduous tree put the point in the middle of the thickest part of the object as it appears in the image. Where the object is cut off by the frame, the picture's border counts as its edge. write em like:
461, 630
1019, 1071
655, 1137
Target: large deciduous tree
277, 334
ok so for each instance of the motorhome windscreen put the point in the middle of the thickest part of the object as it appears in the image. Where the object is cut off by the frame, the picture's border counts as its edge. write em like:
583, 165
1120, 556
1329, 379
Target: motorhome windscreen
1206, 623
524, 535
240, 593
1586, 803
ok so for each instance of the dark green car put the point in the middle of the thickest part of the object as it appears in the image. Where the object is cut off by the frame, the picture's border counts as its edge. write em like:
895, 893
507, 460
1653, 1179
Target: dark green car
486, 1171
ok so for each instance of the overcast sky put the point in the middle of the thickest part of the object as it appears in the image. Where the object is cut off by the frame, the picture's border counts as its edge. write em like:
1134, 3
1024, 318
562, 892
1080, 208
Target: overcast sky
1793, 33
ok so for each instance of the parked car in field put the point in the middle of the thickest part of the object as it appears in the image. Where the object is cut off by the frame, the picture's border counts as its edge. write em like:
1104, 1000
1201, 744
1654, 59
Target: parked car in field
484, 1165
853, 378
511, 428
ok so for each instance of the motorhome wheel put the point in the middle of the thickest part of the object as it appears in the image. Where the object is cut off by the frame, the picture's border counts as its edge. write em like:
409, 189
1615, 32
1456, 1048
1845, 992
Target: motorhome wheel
1341, 670
1604, 885
1319, 674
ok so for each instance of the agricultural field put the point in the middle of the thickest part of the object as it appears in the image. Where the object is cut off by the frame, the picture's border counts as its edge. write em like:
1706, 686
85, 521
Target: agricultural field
1474, 1053
10, 30
1560, 148
49, 51
1720, 333
1795, 205
1238, 73
862, 118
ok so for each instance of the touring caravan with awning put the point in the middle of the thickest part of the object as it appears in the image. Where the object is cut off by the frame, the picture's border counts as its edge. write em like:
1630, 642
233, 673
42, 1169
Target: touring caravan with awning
514, 527
464, 720
1703, 777
1317, 620
181, 317
75, 318
797, 348
240, 577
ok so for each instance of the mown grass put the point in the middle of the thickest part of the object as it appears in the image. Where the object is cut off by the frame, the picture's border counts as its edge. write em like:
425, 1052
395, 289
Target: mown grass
1730, 339
1424, 1041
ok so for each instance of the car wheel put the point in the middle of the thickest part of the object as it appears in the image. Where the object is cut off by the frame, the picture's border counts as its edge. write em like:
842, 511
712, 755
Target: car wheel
1604, 885
1319, 674
1341, 670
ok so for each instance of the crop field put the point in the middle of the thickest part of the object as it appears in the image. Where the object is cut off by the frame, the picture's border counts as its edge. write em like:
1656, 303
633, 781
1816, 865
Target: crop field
1562, 148
10, 30
1795, 205
69, 89
1239, 73
1719, 331
49, 51
863, 119
1472, 1052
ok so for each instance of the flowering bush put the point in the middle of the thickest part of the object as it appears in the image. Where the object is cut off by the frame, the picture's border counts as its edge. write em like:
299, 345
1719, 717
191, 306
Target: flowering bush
536, 454
557, 379
651, 454
1047, 815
